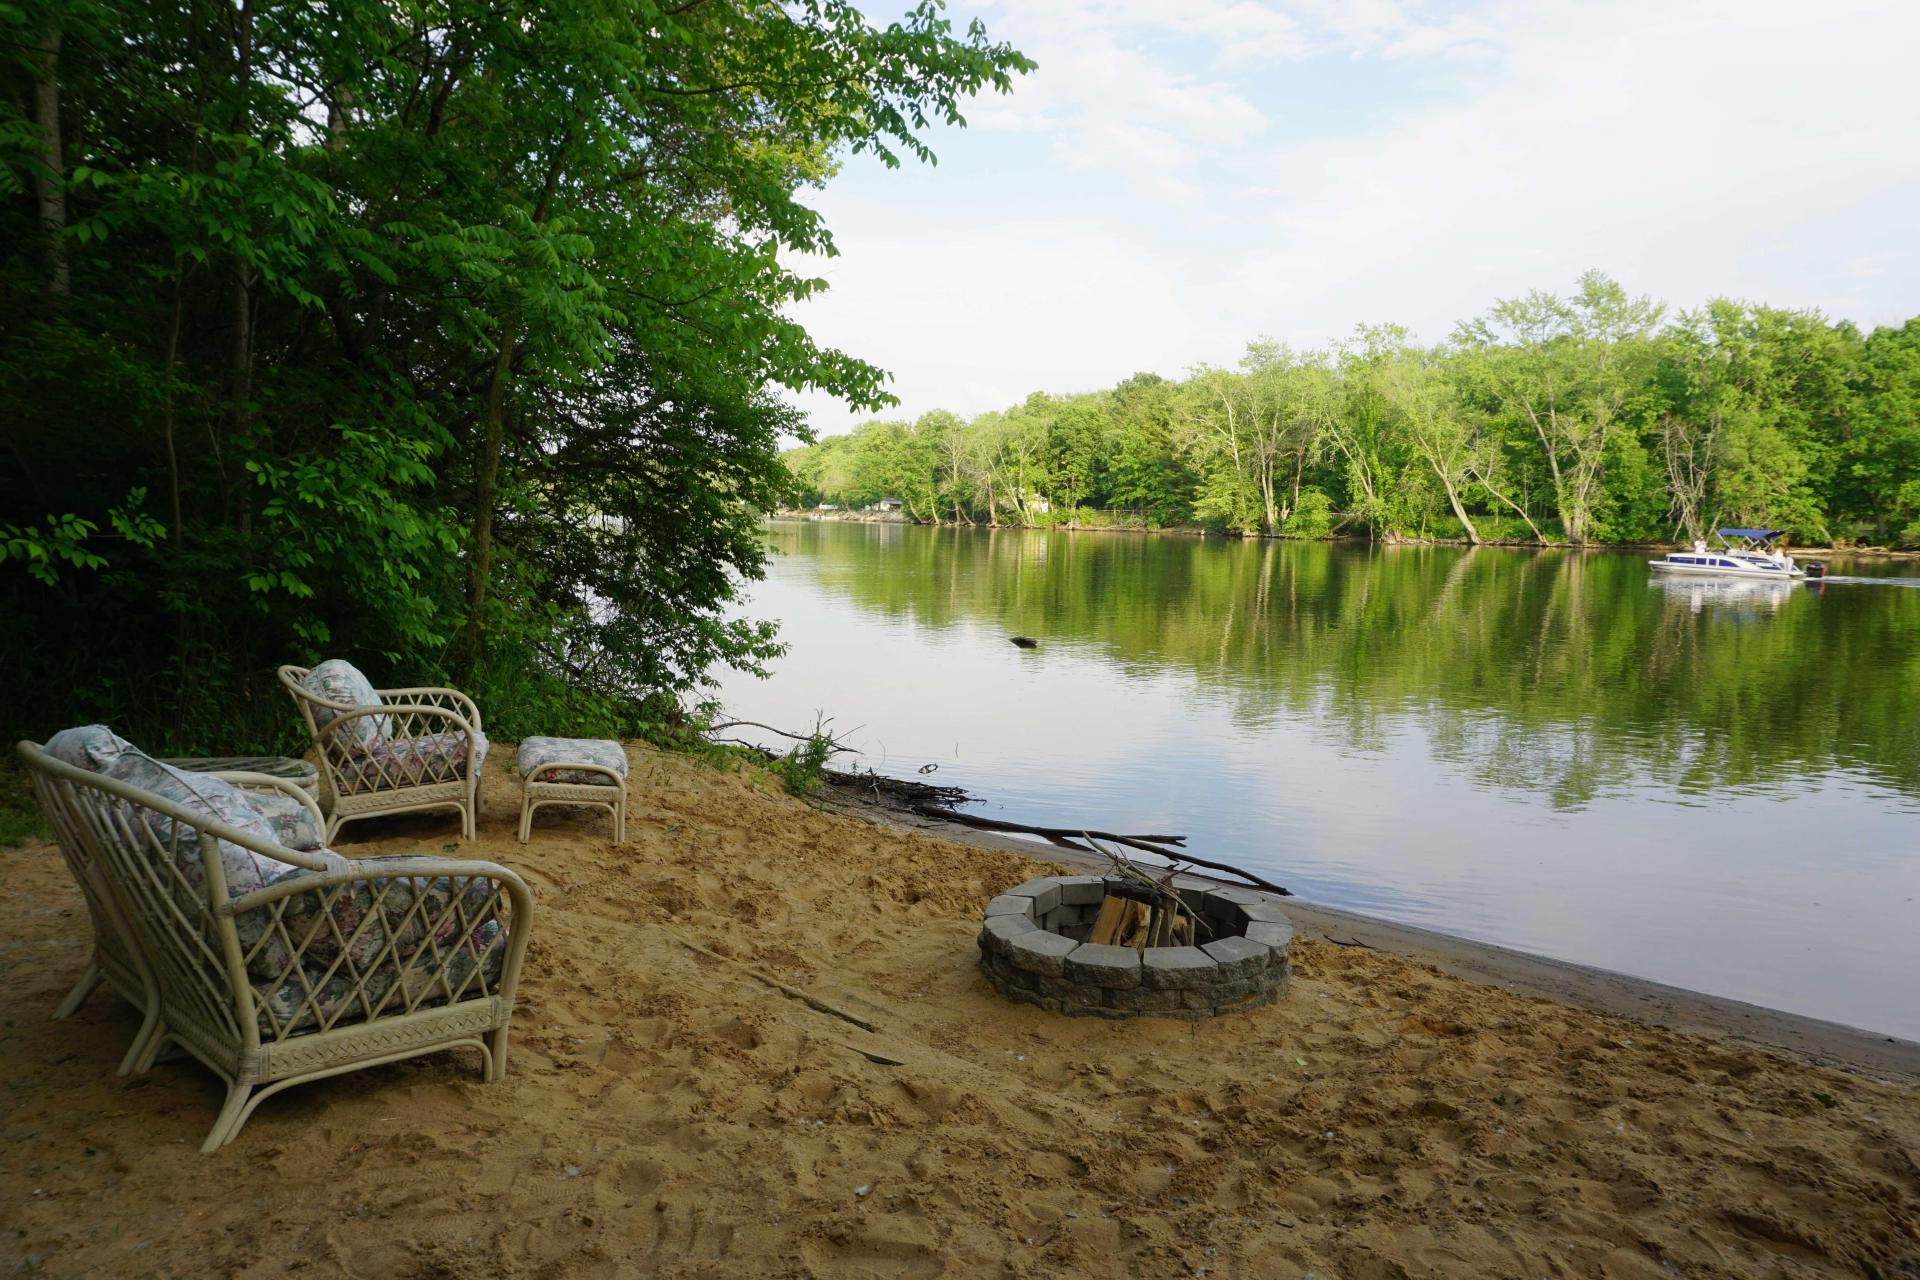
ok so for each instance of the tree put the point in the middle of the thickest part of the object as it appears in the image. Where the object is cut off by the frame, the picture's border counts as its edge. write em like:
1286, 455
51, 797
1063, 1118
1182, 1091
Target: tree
1076, 441
393, 314
1877, 481
1364, 429
1568, 368
1441, 432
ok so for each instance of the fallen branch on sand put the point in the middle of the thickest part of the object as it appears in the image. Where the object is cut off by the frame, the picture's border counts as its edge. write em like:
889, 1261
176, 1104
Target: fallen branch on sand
791, 993
835, 748
1172, 848
884, 1059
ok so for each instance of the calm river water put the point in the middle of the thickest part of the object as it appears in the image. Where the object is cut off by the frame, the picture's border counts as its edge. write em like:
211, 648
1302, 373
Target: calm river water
1713, 785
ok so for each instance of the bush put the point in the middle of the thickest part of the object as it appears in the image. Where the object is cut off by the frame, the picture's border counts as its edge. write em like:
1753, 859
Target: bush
1312, 515
802, 767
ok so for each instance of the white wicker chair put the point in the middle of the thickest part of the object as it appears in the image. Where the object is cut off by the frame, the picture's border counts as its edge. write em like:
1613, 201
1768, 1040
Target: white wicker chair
116, 957
418, 749
336, 966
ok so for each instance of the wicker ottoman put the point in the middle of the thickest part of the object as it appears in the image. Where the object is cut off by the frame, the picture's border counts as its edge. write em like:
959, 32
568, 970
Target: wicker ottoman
573, 771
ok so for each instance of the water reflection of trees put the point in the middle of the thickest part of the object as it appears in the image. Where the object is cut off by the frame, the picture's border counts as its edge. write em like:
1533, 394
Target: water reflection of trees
1559, 673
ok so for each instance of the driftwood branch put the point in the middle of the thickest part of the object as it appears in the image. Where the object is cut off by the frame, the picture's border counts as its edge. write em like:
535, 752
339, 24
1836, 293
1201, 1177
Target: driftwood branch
791, 993
1150, 843
1170, 847
797, 737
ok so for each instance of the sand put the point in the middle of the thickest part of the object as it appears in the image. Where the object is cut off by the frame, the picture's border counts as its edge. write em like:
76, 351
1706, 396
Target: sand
667, 1114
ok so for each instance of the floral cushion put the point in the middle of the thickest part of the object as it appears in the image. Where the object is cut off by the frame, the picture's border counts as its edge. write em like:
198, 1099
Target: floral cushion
313, 993
537, 756
411, 762
337, 680
323, 942
98, 749
293, 823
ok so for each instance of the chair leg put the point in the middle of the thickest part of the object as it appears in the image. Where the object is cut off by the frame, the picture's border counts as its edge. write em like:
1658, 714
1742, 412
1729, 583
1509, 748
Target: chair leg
526, 820
146, 1044
229, 1120
81, 990
620, 819
497, 1055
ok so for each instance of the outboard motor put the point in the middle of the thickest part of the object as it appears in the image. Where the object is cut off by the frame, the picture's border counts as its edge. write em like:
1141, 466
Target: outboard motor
1816, 569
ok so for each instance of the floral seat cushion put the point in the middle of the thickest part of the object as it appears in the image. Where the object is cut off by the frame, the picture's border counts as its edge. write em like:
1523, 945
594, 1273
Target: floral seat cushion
374, 947
339, 681
538, 757
411, 762
98, 749
293, 823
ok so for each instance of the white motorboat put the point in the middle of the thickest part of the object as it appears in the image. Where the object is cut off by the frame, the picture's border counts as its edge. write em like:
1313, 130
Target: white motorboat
1742, 553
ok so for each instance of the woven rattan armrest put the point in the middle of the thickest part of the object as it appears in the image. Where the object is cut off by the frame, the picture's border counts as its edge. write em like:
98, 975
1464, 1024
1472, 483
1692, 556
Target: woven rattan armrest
391, 866
434, 695
387, 710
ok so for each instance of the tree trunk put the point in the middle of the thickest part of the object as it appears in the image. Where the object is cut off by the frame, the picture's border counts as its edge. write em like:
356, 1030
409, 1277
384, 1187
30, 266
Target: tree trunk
50, 186
480, 563
1538, 537
240, 292
167, 412
1459, 510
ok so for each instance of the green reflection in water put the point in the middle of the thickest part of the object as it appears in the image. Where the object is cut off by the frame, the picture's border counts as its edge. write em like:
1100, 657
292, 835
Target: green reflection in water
1560, 674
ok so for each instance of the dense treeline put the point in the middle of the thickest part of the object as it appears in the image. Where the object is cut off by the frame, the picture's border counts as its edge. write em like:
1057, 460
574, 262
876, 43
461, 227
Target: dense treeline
445, 337
1583, 419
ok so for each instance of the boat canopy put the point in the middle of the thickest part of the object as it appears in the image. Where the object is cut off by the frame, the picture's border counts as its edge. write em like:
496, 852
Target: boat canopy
1758, 535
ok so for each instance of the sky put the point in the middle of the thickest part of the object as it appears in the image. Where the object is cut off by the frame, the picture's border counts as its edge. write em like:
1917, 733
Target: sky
1181, 176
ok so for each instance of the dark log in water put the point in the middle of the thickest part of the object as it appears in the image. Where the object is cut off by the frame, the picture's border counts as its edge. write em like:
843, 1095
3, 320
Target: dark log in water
902, 791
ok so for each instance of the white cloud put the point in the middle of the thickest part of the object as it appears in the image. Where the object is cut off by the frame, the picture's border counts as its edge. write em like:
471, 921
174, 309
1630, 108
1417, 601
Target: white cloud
1686, 154
1181, 200
1007, 310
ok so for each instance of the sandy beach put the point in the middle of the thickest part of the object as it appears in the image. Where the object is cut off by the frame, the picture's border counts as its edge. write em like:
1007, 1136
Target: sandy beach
665, 1113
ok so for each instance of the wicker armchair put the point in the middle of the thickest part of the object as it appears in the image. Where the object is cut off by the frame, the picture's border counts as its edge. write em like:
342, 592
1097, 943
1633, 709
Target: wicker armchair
329, 966
116, 957
393, 750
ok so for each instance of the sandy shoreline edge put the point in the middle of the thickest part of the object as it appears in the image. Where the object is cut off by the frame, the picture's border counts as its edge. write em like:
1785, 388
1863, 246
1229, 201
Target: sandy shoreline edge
1815, 1040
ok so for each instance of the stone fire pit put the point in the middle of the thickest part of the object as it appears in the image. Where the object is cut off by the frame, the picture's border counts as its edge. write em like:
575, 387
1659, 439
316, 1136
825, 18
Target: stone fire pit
1034, 948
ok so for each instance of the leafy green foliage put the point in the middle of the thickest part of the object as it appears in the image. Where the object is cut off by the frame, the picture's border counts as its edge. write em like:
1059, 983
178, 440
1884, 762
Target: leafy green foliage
801, 768
446, 339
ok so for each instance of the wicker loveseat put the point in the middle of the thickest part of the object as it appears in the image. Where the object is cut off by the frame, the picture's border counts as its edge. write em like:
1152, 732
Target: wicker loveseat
273, 965
390, 750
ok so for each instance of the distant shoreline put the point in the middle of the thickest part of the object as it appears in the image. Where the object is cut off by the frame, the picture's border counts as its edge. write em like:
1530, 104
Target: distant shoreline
796, 515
